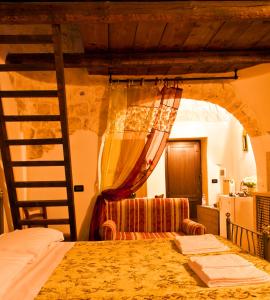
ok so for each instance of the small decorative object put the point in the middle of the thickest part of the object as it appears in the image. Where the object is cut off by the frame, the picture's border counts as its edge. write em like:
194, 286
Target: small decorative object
244, 141
250, 183
133, 195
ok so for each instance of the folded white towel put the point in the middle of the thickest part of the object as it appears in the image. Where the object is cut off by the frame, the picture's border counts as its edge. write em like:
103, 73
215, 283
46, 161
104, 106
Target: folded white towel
226, 274
194, 244
219, 261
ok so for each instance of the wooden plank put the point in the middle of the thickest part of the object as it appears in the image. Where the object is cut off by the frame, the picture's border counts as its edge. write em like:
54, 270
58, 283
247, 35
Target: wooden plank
126, 11
187, 69
18, 142
31, 118
95, 36
25, 39
227, 33
148, 35
122, 39
60, 78
31, 68
99, 70
112, 60
265, 40
37, 163
175, 35
44, 222
201, 34
158, 70
252, 35
41, 203
39, 184
9, 176
29, 94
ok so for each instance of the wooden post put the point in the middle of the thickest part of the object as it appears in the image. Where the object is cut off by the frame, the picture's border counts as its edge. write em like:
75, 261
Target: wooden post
228, 226
265, 236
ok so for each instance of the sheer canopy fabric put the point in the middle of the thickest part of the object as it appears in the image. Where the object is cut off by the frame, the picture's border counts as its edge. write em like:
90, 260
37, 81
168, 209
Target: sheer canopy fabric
139, 122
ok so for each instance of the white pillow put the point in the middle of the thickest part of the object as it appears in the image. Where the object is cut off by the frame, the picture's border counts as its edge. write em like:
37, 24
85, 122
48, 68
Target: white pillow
33, 241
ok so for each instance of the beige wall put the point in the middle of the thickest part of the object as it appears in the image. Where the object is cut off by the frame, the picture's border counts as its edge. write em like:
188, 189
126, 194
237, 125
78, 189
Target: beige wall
254, 90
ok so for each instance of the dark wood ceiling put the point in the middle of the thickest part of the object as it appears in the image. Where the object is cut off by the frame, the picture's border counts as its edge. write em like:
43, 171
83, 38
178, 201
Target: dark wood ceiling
155, 38
216, 37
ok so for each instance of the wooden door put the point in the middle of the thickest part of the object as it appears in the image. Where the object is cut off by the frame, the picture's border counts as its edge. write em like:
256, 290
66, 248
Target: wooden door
183, 172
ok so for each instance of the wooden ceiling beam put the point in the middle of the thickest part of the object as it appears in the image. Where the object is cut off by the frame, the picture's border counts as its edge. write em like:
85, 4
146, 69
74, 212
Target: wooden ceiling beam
25, 39
111, 60
115, 12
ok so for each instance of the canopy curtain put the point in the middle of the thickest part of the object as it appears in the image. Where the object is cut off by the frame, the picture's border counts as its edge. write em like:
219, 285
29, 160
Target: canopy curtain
139, 122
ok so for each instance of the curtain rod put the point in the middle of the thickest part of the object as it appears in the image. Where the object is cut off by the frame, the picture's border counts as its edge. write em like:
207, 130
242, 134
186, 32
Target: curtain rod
175, 79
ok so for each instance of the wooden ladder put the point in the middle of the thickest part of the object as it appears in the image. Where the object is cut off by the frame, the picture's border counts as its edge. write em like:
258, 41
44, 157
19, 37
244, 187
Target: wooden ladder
16, 205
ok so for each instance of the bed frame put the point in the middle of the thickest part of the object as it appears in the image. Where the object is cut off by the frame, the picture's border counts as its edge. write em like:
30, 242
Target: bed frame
255, 243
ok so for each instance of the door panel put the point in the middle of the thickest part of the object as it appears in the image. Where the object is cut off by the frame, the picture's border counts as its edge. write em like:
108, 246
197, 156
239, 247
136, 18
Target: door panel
183, 172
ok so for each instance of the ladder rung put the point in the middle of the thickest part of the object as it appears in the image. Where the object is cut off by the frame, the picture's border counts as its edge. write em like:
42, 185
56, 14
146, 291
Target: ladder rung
26, 39
41, 203
26, 67
37, 163
30, 184
44, 222
32, 118
30, 94
35, 141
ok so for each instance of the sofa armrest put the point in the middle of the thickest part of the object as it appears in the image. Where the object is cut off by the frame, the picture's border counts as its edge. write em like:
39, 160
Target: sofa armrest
190, 227
107, 230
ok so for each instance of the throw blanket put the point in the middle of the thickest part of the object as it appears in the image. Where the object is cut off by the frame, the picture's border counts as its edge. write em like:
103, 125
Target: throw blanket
144, 269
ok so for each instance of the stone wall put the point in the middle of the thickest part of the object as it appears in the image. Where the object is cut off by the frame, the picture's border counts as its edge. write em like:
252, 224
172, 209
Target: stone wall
224, 95
87, 100
87, 105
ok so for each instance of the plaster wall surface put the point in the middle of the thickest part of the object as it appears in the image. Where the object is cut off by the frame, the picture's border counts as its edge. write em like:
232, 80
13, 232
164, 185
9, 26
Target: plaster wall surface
202, 120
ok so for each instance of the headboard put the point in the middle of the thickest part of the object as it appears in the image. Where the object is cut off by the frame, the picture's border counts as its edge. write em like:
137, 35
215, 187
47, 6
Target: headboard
1, 213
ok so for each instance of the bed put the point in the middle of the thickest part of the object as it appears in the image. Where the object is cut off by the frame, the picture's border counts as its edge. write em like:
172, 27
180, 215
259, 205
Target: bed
143, 269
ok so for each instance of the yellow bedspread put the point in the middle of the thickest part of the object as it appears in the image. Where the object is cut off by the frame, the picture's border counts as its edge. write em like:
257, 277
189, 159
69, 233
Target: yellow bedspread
146, 269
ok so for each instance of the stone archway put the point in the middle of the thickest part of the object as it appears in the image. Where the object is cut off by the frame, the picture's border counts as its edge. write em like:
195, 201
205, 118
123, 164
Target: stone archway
223, 94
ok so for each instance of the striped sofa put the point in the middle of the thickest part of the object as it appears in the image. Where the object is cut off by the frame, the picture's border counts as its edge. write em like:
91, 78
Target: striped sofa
148, 218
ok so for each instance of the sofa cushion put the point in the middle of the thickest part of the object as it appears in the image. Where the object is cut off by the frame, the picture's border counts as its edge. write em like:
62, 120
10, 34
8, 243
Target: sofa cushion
148, 214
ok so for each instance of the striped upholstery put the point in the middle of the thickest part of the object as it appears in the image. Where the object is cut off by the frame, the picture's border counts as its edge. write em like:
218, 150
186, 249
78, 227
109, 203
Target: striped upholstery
107, 230
145, 235
190, 227
145, 218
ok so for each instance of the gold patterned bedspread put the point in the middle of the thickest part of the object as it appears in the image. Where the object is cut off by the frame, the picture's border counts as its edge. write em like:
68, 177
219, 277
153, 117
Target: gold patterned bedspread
145, 269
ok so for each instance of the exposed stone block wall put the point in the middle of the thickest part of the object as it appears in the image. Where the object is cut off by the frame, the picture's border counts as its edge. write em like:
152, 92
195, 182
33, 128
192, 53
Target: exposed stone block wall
87, 100
223, 94
87, 106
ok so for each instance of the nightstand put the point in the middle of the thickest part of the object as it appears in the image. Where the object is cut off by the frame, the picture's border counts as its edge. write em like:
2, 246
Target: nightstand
209, 217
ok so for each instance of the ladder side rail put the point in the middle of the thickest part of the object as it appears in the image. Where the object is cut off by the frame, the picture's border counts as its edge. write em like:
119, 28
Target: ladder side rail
8, 170
60, 78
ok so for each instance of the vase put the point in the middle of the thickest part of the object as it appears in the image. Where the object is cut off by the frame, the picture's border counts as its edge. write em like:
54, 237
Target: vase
251, 190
